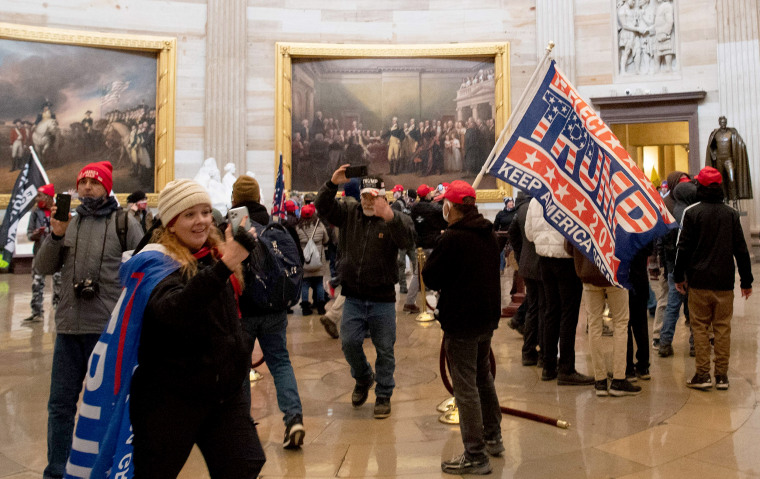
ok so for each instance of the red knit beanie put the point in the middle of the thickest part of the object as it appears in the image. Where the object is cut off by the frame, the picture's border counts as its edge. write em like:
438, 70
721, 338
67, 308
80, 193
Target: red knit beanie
100, 171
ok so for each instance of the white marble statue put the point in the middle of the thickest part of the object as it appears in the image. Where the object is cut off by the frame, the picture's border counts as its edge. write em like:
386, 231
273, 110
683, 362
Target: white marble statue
230, 175
209, 176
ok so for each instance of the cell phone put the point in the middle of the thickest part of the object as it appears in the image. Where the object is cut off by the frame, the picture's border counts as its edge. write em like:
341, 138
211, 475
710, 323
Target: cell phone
236, 216
356, 171
63, 202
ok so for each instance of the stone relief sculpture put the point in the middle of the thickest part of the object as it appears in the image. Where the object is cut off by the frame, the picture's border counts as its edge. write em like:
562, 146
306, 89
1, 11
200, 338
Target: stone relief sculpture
210, 178
645, 34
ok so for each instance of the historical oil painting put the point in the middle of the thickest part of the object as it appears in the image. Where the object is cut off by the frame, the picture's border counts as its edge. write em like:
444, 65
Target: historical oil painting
410, 120
75, 105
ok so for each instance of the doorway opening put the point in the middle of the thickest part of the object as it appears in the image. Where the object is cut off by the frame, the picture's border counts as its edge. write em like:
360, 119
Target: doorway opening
657, 148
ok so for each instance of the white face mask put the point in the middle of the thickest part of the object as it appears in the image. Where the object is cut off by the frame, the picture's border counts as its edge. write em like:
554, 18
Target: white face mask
446, 209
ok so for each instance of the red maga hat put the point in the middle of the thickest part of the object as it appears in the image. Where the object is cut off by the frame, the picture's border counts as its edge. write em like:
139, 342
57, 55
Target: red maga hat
101, 171
423, 190
458, 190
709, 175
308, 211
48, 189
397, 188
290, 206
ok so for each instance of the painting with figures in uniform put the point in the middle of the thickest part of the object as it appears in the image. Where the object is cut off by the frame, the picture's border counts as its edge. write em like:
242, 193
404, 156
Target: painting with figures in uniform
79, 97
76, 105
412, 120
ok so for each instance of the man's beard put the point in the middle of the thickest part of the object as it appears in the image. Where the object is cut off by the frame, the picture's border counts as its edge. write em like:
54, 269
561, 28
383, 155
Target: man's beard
368, 211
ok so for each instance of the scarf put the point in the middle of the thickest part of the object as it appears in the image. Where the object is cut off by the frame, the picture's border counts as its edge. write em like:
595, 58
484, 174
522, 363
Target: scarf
103, 206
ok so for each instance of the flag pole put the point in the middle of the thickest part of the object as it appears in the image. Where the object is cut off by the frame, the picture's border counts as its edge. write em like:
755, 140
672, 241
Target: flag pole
492, 155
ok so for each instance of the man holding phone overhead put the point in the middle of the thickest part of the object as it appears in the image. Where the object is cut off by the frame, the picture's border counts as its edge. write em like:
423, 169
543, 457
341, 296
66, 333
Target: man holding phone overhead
87, 251
371, 234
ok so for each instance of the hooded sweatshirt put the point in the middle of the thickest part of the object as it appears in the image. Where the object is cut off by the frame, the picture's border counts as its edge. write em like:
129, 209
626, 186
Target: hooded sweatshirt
683, 195
464, 268
711, 237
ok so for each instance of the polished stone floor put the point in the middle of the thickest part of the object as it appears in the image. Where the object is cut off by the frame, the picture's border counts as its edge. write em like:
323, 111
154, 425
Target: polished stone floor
669, 431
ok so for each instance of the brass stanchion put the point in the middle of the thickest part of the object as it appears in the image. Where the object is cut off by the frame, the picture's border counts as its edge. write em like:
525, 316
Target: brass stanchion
425, 316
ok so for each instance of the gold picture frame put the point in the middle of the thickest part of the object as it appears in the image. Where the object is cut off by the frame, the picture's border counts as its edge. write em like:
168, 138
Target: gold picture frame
165, 51
498, 52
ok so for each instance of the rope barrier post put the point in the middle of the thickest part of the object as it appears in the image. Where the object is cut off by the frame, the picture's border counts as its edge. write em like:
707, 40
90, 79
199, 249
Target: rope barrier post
424, 316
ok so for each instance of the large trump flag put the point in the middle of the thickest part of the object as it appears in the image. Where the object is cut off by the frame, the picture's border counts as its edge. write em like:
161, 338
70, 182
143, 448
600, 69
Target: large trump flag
592, 192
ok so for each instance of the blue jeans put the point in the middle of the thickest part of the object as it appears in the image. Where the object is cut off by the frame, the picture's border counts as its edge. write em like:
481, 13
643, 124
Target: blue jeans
315, 283
360, 315
672, 312
270, 330
70, 356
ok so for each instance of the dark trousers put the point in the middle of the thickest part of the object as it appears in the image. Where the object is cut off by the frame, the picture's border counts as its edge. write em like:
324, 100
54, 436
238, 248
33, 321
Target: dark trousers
475, 394
534, 299
562, 292
637, 331
166, 425
70, 355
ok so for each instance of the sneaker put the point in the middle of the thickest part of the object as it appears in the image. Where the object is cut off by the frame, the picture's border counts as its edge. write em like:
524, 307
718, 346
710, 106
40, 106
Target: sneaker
461, 465
665, 350
644, 374
294, 434
494, 447
361, 391
35, 318
548, 374
700, 381
721, 382
623, 387
382, 408
656, 343
600, 387
574, 379
330, 328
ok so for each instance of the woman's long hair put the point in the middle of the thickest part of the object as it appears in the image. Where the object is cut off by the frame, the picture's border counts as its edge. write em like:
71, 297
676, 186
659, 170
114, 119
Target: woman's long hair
180, 253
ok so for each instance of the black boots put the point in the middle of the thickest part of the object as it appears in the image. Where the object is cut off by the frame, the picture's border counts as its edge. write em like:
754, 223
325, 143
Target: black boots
306, 308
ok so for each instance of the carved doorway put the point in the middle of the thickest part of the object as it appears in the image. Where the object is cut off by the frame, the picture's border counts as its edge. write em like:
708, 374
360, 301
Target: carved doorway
666, 109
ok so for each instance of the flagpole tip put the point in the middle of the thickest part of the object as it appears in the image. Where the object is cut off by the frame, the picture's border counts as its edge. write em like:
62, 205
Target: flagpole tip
550, 46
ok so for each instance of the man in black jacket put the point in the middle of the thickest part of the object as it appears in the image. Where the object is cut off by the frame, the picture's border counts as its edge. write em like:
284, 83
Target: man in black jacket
464, 268
270, 327
371, 234
711, 237
527, 259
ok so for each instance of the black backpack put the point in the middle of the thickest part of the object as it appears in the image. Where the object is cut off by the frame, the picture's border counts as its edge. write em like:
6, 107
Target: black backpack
274, 273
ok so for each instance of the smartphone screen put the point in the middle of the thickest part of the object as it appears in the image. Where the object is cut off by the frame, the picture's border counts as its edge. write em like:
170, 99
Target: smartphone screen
356, 171
63, 202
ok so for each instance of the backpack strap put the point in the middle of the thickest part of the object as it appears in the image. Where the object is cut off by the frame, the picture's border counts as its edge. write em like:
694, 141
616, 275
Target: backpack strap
122, 227
316, 225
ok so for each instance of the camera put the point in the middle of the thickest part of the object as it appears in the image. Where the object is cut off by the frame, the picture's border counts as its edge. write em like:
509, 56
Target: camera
86, 289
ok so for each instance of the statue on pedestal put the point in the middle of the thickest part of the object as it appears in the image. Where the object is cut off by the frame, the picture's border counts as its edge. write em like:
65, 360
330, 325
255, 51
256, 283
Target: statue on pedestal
727, 153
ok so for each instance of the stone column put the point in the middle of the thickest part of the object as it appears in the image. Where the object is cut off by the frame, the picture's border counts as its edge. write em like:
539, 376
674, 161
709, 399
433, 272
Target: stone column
225, 121
739, 70
555, 21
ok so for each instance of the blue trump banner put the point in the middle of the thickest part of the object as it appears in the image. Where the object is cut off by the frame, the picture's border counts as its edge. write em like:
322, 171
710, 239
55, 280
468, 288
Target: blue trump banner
102, 444
592, 192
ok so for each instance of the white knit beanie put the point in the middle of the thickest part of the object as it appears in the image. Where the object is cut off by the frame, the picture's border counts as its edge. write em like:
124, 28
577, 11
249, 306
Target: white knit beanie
179, 195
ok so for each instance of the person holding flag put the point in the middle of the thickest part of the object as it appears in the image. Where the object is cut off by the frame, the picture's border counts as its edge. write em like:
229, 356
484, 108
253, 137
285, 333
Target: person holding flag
22, 200
38, 229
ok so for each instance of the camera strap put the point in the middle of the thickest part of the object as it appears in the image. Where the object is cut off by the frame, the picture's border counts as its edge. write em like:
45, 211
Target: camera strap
102, 249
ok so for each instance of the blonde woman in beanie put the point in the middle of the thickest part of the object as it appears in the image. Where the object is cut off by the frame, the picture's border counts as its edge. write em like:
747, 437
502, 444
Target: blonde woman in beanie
191, 383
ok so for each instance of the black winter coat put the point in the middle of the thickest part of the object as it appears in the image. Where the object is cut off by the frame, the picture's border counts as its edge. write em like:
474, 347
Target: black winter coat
369, 246
428, 223
711, 237
192, 341
464, 268
525, 250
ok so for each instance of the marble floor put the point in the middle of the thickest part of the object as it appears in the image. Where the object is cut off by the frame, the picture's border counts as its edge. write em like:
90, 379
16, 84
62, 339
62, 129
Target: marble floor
669, 431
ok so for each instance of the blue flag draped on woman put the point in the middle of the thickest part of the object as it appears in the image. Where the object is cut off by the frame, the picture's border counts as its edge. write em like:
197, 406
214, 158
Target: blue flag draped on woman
102, 445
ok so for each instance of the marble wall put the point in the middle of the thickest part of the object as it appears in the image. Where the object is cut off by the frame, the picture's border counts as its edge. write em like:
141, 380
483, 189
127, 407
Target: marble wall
716, 38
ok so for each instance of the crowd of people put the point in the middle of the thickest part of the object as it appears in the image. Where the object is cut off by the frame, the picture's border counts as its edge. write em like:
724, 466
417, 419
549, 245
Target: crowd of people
423, 148
205, 310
